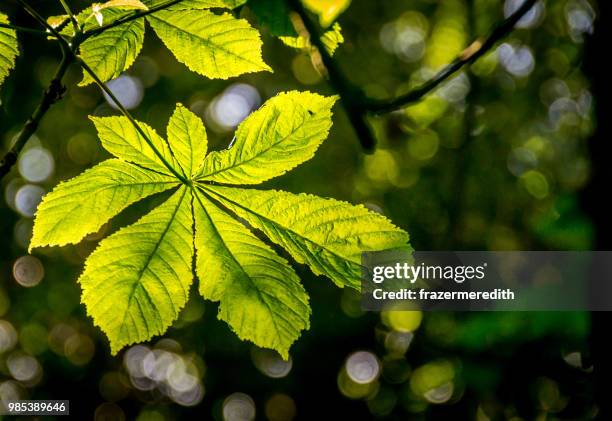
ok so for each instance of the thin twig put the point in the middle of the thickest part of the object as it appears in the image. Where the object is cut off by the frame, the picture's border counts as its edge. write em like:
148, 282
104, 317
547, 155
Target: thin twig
129, 18
131, 119
470, 55
24, 29
74, 21
52, 94
63, 43
350, 96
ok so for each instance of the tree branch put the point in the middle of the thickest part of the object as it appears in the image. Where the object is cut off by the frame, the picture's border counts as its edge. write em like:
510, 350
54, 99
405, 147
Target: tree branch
41, 20
350, 97
75, 23
134, 123
129, 18
52, 94
476, 50
24, 29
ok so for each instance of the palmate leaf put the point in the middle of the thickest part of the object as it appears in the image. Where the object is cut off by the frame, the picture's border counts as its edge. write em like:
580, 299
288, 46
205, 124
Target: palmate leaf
137, 280
8, 48
216, 46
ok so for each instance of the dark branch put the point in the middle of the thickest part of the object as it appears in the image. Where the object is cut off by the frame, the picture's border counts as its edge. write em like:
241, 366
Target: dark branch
52, 94
469, 56
68, 11
350, 97
129, 18
43, 22
24, 29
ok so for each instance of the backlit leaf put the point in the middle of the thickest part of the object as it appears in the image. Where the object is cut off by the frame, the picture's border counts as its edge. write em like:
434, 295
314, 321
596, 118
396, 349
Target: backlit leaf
215, 46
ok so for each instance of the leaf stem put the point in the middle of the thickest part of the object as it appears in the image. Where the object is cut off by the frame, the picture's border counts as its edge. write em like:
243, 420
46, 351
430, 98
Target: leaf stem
469, 56
24, 29
75, 23
130, 18
52, 94
134, 123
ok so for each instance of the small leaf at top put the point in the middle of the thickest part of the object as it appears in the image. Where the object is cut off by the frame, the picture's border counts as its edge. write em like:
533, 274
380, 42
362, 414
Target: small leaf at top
282, 134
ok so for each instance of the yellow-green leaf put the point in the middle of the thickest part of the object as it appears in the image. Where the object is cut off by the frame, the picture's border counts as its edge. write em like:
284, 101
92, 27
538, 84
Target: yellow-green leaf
8, 48
137, 280
113, 51
328, 235
187, 138
83, 204
119, 137
120, 4
261, 296
215, 46
331, 39
200, 4
279, 136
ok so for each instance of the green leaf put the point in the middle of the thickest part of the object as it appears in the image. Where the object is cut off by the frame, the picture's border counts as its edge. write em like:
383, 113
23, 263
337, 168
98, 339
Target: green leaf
137, 280
8, 48
56, 21
121, 138
83, 204
200, 4
331, 39
113, 51
327, 10
261, 296
215, 46
120, 4
326, 234
282, 134
187, 138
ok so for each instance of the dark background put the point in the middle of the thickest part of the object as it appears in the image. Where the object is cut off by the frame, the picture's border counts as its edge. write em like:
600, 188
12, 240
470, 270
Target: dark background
510, 155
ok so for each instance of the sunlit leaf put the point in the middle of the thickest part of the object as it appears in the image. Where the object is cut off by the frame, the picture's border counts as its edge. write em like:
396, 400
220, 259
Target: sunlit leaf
83, 204
326, 234
113, 51
285, 132
137, 280
8, 48
261, 296
120, 137
215, 46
